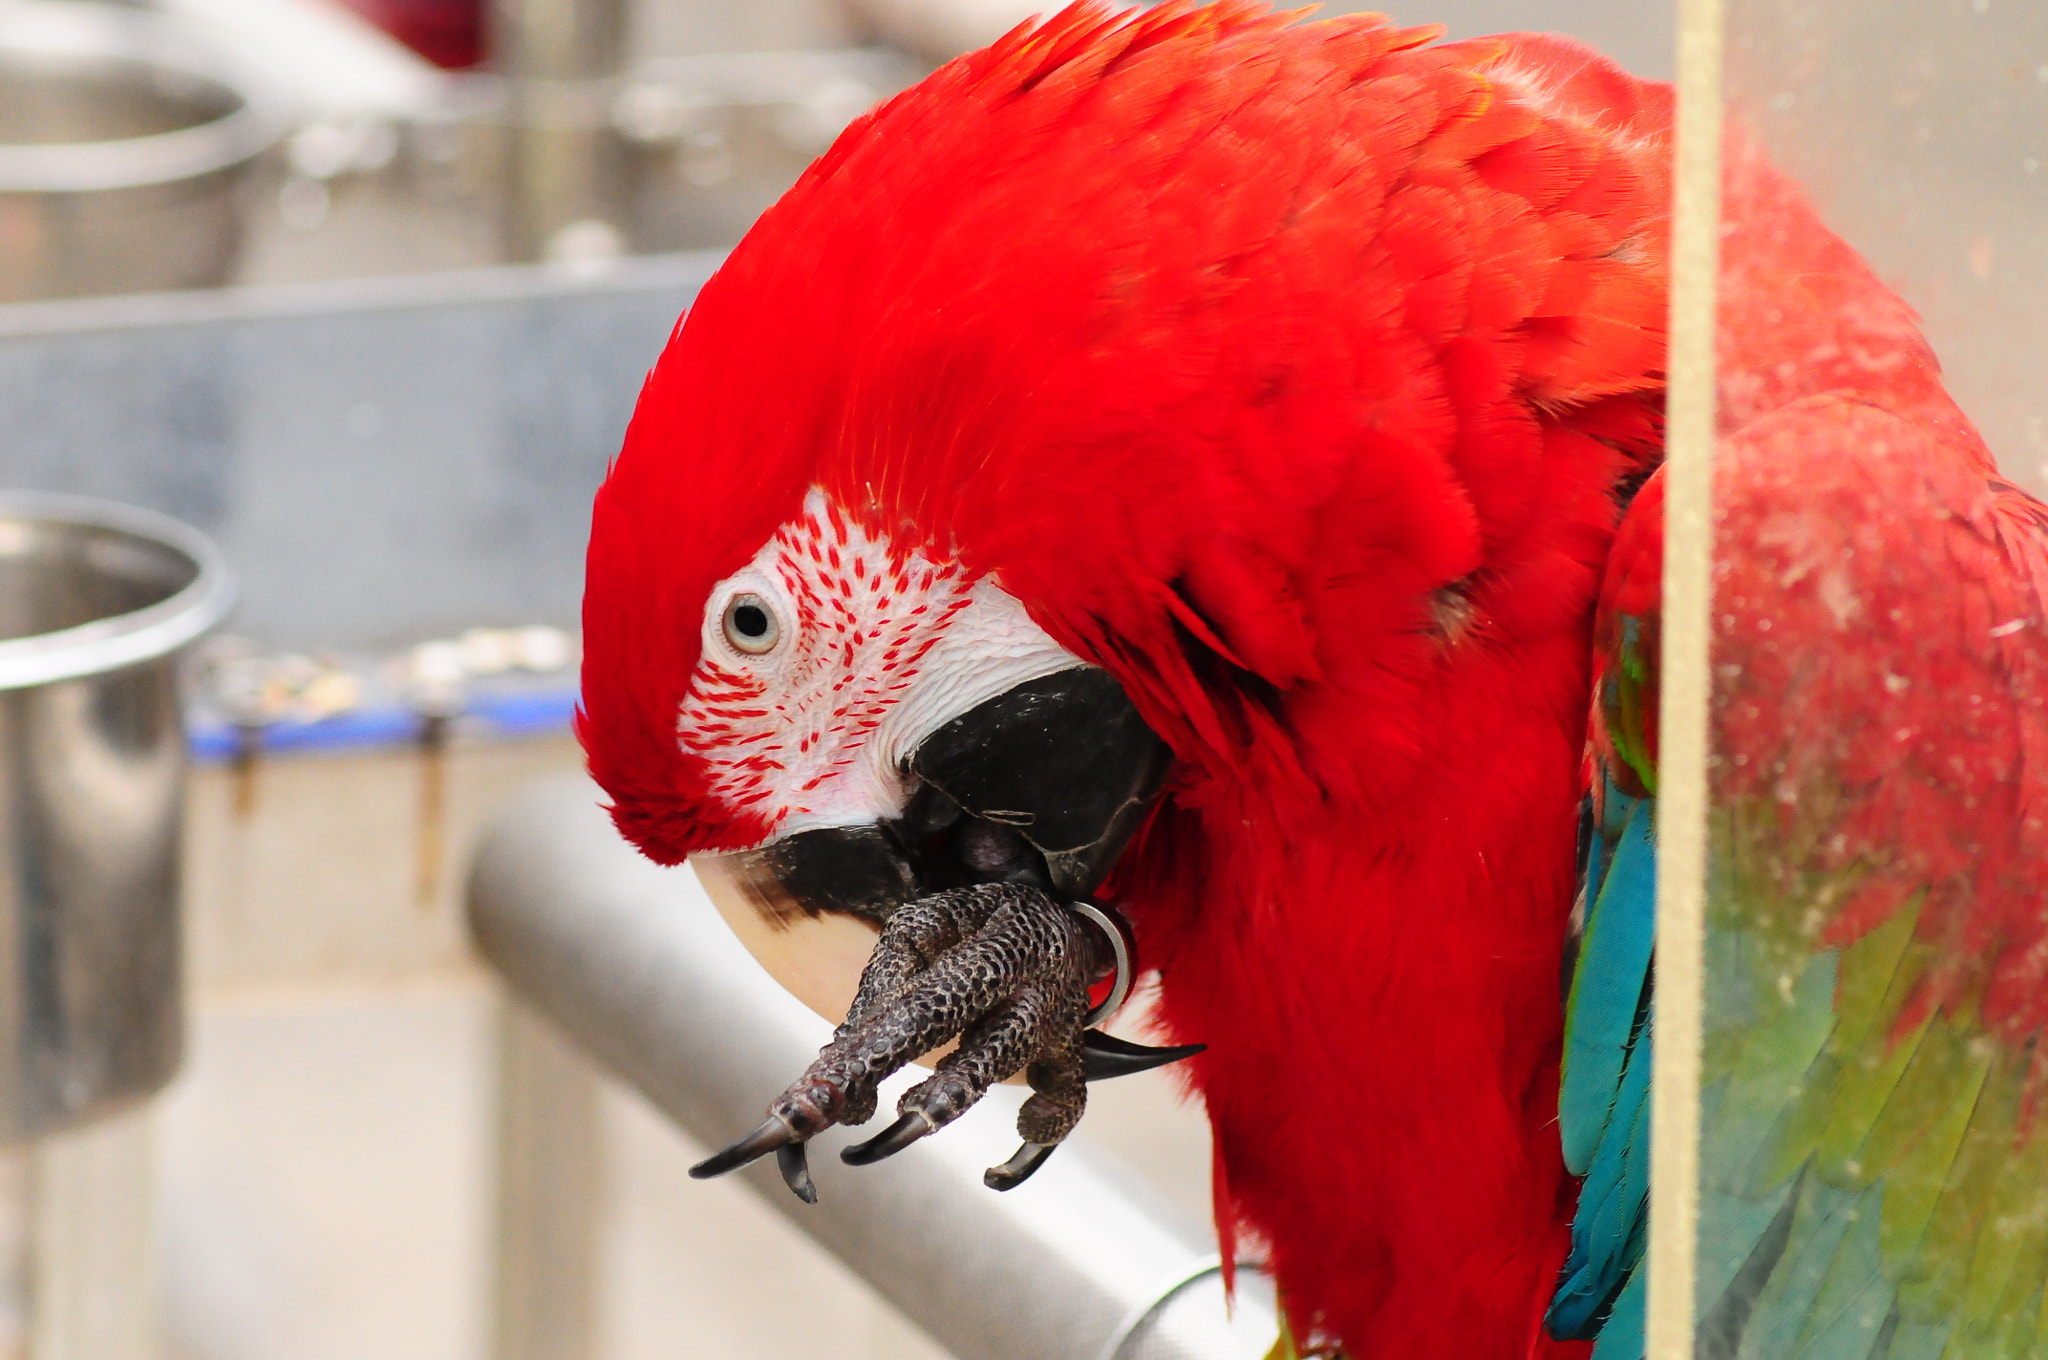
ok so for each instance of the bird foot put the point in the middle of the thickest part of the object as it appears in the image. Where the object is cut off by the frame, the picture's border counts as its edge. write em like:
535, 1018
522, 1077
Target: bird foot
1002, 967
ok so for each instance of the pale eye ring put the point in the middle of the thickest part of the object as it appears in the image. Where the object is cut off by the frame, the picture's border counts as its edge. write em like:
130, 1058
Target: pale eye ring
750, 625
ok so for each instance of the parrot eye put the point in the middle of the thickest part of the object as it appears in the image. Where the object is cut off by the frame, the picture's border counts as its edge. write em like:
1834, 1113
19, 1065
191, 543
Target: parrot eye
751, 626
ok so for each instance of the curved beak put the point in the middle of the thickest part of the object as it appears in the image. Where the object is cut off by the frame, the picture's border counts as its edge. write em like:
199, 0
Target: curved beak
1043, 784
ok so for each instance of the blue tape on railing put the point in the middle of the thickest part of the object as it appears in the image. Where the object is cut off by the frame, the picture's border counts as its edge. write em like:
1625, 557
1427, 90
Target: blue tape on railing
501, 715
525, 713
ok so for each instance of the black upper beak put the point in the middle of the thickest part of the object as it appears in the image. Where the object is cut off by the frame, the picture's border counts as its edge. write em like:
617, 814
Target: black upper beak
1045, 783
1063, 761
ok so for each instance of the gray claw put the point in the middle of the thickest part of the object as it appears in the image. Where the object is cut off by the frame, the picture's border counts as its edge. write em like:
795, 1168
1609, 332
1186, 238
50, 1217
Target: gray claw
771, 1135
890, 1141
796, 1172
1104, 1056
1018, 1169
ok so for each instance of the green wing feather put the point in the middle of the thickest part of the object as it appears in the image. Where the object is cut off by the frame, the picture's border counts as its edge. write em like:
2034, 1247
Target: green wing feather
1874, 1158
1872, 1173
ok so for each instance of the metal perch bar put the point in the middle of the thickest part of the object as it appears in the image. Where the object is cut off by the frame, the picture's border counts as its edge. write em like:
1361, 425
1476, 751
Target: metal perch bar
632, 962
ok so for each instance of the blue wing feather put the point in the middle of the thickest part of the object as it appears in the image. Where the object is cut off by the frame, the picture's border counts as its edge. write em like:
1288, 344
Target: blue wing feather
1604, 1010
1607, 1235
1603, 1106
1622, 1339
1808, 1300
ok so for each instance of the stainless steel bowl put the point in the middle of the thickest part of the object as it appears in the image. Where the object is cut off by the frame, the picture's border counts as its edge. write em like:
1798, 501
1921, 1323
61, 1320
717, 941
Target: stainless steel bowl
122, 136
95, 602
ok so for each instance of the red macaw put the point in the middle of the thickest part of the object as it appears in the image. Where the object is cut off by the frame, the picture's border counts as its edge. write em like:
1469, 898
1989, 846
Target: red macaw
1170, 462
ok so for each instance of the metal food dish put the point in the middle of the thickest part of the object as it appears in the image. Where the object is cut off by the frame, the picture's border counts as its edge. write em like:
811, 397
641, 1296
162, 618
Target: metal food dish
95, 602
88, 587
122, 137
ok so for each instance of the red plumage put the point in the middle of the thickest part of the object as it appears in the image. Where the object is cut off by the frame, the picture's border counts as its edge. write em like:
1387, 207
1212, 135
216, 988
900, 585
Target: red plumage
1286, 372
1882, 587
1295, 375
1879, 745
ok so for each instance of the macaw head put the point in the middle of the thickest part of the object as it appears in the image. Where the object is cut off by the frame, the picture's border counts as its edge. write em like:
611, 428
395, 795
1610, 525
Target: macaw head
805, 651
856, 721
1015, 430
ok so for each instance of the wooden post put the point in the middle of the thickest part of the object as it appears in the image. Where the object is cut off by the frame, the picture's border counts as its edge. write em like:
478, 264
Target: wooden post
92, 1282
1682, 734
550, 1194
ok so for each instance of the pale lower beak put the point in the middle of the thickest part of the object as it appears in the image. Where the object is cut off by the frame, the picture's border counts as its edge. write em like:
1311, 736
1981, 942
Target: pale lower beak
818, 959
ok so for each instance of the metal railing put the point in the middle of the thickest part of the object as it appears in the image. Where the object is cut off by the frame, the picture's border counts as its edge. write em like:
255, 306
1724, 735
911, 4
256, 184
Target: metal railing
632, 962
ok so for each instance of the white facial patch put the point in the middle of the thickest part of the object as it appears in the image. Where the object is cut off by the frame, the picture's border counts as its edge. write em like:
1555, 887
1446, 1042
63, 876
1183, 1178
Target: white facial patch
873, 649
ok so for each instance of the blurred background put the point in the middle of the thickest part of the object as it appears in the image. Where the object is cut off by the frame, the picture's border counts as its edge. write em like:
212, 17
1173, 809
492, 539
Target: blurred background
364, 289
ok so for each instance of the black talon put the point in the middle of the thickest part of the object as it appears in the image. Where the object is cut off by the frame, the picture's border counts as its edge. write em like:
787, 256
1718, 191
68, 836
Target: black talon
890, 1141
1018, 1169
762, 1141
1104, 1056
796, 1172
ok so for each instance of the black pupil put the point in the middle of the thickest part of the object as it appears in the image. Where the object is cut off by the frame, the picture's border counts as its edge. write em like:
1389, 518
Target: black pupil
750, 620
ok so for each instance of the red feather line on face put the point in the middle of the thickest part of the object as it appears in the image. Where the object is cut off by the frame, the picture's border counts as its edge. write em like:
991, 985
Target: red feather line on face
770, 731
